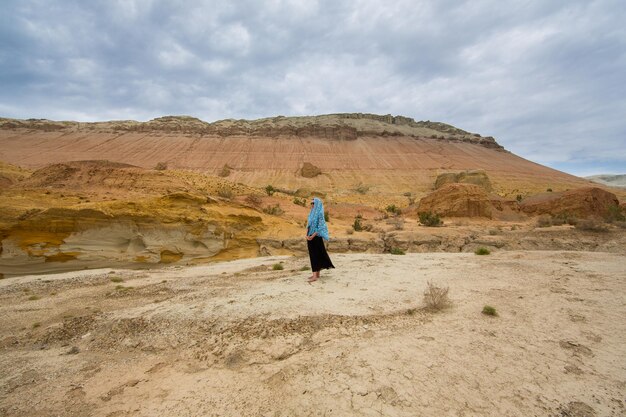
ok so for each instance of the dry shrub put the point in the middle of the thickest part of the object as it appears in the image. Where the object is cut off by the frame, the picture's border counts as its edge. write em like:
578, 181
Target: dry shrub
274, 210
350, 231
225, 172
161, 166
544, 221
436, 298
254, 200
226, 192
591, 225
397, 223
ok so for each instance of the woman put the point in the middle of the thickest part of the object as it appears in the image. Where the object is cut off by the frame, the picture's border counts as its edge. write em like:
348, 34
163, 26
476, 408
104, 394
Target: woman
316, 231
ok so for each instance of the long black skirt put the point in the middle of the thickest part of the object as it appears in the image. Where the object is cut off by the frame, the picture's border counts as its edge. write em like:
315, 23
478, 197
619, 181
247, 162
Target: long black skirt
318, 255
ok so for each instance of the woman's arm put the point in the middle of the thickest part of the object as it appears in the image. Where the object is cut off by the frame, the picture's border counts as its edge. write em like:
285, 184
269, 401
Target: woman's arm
312, 236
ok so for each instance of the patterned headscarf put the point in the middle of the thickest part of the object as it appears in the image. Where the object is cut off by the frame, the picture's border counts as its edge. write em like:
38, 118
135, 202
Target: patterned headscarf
316, 222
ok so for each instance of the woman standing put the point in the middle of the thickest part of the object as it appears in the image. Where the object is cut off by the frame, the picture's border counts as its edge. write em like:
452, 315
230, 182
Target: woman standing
316, 231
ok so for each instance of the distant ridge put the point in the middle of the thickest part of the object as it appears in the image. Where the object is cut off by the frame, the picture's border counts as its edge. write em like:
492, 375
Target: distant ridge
342, 126
608, 179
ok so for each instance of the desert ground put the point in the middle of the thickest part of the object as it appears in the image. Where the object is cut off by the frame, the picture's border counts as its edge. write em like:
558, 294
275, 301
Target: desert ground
246, 338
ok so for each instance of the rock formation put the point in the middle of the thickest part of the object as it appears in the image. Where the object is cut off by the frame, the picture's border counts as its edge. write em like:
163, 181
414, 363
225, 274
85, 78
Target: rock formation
581, 202
458, 200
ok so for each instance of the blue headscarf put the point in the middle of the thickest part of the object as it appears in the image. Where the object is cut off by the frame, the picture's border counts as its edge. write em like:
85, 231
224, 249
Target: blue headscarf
316, 222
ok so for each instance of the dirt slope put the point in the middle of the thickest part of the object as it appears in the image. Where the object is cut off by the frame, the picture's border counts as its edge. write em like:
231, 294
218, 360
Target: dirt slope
389, 154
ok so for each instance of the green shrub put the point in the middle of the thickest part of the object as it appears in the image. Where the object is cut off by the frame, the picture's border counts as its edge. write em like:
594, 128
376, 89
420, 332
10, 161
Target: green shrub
430, 219
304, 268
326, 215
253, 200
299, 201
278, 267
36, 324
396, 251
161, 166
357, 225
519, 198
482, 251
116, 279
391, 208
489, 311
34, 297
549, 190
270, 190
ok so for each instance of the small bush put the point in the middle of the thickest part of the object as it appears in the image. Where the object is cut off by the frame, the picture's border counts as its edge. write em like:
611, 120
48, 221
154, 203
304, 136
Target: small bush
358, 225
592, 225
278, 267
391, 208
36, 324
397, 223
226, 192
34, 297
274, 210
304, 268
397, 251
430, 219
350, 231
253, 200
362, 188
519, 198
549, 190
270, 190
482, 251
116, 279
161, 166
489, 311
326, 215
615, 214
544, 221
436, 298
299, 201
494, 232
225, 172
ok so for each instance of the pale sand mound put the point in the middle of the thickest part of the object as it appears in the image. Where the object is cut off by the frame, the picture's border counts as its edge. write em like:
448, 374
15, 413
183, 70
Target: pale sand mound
241, 339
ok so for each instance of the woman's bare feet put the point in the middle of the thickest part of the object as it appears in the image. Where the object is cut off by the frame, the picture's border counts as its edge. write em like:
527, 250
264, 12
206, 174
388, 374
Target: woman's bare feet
311, 279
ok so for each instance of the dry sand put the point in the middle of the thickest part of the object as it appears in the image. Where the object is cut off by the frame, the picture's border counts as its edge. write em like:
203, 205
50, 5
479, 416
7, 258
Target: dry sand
241, 339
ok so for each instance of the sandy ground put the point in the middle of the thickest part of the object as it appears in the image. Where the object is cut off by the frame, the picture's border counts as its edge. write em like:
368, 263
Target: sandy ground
241, 339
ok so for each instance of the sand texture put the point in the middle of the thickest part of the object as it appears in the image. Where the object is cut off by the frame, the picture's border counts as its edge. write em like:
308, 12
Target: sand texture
242, 339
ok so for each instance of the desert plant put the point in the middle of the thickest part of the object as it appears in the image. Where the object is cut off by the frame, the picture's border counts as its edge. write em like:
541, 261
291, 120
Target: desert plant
161, 166
299, 201
436, 298
34, 297
482, 251
430, 219
397, 223
391, 208
304, 268
253, 200
361, 188
326, 215
519, 198
270, 190
225, 192
396, 251
549, 190
357, 225
494, 232
544, 221
489, 311
615, 214
116, 279
278, 267
350, 231
592, 225
36, 324
274, 210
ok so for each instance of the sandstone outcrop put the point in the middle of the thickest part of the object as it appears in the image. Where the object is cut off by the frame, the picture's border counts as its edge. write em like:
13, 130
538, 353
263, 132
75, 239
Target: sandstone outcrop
476, 177
458, 200
580, 202
309, 170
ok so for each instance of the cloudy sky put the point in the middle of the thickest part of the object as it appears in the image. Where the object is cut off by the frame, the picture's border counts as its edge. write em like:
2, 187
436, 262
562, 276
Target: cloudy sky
547, 78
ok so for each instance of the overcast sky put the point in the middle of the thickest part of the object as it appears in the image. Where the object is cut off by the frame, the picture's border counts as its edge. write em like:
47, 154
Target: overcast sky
546, 78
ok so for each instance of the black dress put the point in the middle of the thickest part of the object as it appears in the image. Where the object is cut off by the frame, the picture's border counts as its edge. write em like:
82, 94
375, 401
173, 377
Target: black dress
318, 255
